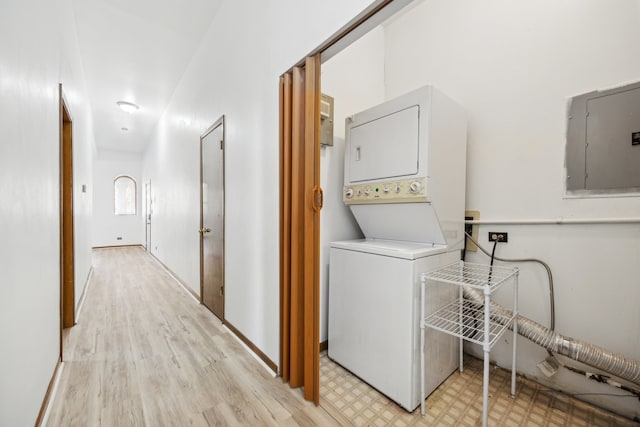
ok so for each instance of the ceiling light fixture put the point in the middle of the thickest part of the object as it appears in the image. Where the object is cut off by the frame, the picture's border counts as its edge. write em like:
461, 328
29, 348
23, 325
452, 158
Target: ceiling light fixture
127, 107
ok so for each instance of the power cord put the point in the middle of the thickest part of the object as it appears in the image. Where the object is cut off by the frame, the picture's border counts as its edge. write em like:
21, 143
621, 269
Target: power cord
493, 255
544, 264
493, 252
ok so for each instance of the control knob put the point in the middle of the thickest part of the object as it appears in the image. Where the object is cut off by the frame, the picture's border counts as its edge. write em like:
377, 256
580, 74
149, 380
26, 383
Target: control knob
397, 189
414, 187
386, 189
366, 192
349, 193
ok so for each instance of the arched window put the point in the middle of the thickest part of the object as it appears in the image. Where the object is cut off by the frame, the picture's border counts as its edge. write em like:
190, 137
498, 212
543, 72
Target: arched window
125, 195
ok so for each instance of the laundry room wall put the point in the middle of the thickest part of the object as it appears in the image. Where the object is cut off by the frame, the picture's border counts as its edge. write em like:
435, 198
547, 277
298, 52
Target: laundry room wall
108, 227
513, 66
355, 79
39, 52
239, 80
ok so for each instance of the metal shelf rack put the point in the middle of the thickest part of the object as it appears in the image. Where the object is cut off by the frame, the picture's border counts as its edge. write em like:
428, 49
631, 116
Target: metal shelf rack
472, 317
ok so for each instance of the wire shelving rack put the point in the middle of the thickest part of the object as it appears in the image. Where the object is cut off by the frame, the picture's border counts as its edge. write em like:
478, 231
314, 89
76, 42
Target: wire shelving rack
472, 317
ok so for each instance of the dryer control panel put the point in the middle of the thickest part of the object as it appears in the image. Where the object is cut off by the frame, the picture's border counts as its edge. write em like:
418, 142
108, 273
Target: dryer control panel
398, 191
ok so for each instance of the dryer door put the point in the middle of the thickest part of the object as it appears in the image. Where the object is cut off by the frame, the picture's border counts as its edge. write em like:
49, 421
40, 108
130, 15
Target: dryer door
385, 147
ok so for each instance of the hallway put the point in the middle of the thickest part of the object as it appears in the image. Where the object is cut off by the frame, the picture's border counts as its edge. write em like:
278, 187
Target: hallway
145, 353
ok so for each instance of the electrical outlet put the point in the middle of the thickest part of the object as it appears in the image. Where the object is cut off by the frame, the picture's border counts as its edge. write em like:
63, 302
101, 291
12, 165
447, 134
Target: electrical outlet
498, 236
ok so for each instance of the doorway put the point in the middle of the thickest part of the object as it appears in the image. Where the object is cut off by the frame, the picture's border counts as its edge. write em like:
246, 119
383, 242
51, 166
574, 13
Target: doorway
147, 216
67, 282
295, 316
212, 218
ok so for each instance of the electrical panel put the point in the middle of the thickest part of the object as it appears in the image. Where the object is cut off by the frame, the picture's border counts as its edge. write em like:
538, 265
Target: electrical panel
603, 141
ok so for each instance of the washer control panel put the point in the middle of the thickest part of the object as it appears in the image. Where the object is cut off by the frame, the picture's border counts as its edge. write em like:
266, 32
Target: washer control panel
400, 191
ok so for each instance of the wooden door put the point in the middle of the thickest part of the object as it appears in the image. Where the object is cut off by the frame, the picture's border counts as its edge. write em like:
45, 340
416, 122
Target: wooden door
212, 219
301, 201
67, 288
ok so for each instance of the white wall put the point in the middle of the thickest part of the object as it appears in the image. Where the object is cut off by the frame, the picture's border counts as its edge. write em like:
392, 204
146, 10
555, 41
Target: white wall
240, 80
39, 51
355, 78
84, 147
513, 65
107, 226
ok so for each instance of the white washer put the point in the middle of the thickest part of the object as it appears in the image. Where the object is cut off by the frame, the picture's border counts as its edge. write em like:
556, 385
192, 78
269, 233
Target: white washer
374, 301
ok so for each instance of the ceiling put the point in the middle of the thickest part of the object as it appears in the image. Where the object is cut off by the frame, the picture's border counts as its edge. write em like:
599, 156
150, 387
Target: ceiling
136, 51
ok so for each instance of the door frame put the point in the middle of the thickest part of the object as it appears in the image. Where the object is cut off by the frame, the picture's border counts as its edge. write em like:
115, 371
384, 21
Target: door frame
376, 13
147, 215
67, 262
218, 123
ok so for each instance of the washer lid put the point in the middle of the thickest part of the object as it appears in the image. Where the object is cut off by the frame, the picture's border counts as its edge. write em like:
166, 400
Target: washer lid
392, 248
410, 222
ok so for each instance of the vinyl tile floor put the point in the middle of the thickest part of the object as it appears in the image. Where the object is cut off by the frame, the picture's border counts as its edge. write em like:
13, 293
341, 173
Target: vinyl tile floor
458, 402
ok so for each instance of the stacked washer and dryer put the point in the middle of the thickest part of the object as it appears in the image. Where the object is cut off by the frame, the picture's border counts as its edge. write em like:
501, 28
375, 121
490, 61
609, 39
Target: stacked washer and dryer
404, 181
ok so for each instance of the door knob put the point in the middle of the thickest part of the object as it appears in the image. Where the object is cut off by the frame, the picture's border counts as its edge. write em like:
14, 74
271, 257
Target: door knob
204, 230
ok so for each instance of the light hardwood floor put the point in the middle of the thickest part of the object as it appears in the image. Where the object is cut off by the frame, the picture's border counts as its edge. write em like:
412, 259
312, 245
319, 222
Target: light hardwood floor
145, 353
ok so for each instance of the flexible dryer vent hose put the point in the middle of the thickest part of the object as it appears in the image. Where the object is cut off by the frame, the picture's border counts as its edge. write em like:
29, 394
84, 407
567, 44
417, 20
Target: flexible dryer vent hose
589, 354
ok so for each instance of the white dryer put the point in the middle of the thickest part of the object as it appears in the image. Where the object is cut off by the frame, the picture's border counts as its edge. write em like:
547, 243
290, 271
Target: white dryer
404, 182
